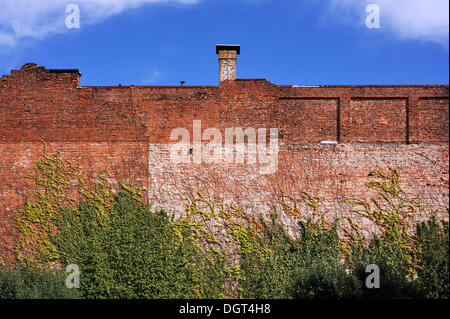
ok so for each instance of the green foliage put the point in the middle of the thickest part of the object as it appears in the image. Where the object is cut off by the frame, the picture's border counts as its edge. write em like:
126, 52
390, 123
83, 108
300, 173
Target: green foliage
122, 248
312, 268
306, 268
411, 265
36, 221
396, 281
433, 244
214, 277
323, 274
148, 258
395, 278
217, 230
81, 240
268, 263
125, 250
393, 212
320, 280
135, 253
27, 282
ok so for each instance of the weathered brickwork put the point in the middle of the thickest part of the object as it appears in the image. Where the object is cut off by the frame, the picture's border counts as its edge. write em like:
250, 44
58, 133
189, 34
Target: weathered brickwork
126, 130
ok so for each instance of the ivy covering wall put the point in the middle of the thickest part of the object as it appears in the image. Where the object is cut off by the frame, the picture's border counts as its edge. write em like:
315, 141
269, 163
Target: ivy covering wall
124, 249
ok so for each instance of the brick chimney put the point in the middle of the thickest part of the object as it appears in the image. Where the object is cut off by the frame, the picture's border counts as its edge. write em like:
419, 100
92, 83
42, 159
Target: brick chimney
227, 60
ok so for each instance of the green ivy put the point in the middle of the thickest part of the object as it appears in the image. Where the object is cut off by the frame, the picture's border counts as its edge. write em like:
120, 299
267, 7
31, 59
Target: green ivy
28, 282
433, 246
36, 220
126, 250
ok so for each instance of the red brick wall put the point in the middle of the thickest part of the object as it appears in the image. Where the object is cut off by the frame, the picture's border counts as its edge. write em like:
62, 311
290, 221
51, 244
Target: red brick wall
429, 120
126, 130
369, 120
303, 120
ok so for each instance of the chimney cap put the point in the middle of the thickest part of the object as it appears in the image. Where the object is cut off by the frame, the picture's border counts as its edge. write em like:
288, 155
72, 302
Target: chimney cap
230, 47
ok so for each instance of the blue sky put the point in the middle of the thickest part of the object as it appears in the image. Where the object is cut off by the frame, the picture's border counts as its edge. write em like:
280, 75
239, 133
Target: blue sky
161, 42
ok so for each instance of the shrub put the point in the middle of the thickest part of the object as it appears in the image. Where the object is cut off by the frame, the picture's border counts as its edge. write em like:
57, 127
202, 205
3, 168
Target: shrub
132, 252
323, 274
148, 258
433, 244
26, 282
395, 281
81, 240
306, 268
320, 280
268, 264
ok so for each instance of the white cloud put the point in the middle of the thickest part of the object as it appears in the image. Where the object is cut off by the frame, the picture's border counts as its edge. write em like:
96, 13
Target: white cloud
21, 19
406, 19
6, 38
